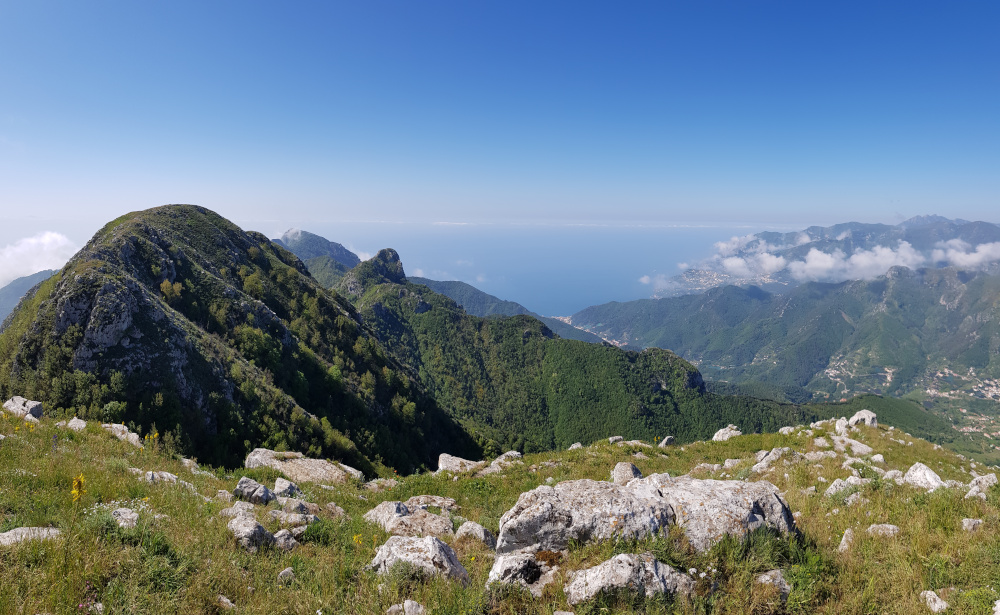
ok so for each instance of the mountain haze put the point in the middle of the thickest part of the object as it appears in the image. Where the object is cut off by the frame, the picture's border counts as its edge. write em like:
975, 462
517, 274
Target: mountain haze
11, 294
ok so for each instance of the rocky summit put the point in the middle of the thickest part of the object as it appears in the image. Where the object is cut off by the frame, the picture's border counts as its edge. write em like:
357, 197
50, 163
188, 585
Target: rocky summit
762, 523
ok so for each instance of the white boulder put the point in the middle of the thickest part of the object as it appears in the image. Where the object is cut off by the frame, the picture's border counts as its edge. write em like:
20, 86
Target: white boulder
726, 432
923, 477
300, 468
428, 554
639, 573
21, 407
863, 417
623, 472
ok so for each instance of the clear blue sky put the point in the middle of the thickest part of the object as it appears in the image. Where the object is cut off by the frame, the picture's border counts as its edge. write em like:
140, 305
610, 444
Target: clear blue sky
302, 114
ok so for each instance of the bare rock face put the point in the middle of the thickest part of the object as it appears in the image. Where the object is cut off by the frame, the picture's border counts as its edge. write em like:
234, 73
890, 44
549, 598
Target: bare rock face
471, 529
548, 518
407, 607
457, 465
300, 468
21, 407
863, 417
21, 534
249, 534
640, 573
250, 490
397, 519
841, 426
428, 554
923, 477
623, 472
524, 570
726, 432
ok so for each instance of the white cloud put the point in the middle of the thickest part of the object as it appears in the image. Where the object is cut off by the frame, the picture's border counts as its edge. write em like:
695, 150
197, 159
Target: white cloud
770, 263
480, 278
418, 273
645, 279
734, 265
862, 265
463, 263
30, 255
958, 253
843, 236
734, 245
802, 239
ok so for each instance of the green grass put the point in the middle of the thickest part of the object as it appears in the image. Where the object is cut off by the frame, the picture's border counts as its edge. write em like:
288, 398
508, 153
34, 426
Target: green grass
182, 561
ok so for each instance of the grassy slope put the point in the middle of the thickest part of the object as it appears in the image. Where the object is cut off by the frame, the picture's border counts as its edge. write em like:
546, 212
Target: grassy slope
181, 562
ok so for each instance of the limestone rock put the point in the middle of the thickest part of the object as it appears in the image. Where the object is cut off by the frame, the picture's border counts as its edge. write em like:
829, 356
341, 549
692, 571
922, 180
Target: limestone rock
122, 433
407, 607
237, 509
933, 602
980, 485
21, 407
300, 468
776, 578
298, 507
624, 472
522, 569
160, 477
774, 455
584, 510
503, 461
250, 490
397, 519
819, 455
20, 534
423, 501
250, 534
335, 510
641, 573
863, 417
292, 519
284, 540
223, 495
841, 426
575, 446
786, 431
883, 529
457, 465
286, 576
726, 432
971, 525
381, 484
894, 475
471, 529
125, 517
843, 484
859, 449
615, 439
428, 554
821, 442
285, 488
666, 441
923, 477
845, 542
878, 458
76, 424
225, 603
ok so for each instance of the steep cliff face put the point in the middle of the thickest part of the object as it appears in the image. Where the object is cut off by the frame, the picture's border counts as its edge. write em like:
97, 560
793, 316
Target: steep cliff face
177, 317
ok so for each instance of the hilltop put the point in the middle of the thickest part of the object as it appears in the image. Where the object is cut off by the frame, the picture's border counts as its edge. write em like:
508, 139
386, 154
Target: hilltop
849, 520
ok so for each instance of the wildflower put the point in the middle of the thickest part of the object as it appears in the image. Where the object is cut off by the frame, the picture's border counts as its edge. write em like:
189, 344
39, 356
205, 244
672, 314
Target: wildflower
78, 490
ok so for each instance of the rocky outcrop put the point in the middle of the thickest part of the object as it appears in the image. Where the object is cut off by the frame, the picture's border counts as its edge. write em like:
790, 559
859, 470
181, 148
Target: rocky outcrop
500, 463
922, 477
639, 573
980, 485
863, 417
249, 534
623, 472
122, 433
474, 531
252, 491
844, 484
300, 468
522, 569
397, 519
575, 446
764, 464
726, 432
428, 554
73, 424
22, 408
21, 534
584, 510
457, 465
842, 443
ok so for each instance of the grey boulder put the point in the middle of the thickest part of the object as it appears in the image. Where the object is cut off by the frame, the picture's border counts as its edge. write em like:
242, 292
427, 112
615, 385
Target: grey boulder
300, 468
471, 529
923, 477
428, 554
250, 490
639, 573
407, 607
249, 534
623, 472
726, 432
21, 407
457, 465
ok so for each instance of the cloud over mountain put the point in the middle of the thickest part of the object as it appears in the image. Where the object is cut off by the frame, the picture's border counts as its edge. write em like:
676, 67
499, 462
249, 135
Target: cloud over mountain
45, 250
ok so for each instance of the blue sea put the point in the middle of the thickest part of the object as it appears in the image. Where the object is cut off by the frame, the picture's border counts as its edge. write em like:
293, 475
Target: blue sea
555, 270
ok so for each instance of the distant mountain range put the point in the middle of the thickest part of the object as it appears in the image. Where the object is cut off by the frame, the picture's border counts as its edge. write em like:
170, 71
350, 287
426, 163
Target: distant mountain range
12, 293
851, 251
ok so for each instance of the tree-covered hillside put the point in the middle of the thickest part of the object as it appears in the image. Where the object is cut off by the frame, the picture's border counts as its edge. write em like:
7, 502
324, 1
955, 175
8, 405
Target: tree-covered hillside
176, 317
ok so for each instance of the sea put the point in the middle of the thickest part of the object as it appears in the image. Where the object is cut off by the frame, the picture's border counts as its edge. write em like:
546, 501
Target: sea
552, 269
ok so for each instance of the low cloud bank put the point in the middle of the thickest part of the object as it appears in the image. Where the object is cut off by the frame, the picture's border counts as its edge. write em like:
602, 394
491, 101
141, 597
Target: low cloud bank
47, 250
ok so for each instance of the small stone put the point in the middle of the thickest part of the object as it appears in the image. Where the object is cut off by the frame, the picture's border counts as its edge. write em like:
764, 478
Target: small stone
614, 439
575, 446
125, 517
285, 488
935, 604
223, 495
225, 603
471, 529
286, 576
971, 525
883, 529
21, 534
845, 542
878, 458
408, 607
623, 472
776, 578
285, 541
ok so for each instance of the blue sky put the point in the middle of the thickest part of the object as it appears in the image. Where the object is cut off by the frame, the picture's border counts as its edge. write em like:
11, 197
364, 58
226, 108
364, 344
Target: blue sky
313, 113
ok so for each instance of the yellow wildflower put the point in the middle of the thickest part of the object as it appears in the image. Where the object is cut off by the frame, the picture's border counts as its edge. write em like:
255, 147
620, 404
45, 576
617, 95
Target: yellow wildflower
78, 489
